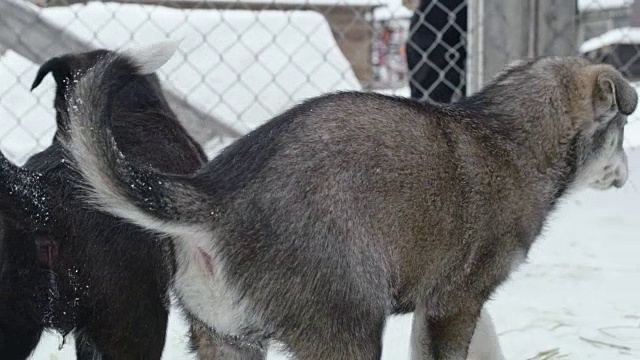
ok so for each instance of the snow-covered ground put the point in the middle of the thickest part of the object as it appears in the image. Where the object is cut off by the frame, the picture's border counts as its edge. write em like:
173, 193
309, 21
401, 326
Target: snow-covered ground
577, 296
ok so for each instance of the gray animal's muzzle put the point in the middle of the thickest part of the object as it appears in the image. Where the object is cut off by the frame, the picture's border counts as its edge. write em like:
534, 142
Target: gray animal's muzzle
614, 172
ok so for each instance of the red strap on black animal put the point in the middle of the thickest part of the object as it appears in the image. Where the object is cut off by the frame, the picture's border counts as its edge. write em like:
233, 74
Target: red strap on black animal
47, 250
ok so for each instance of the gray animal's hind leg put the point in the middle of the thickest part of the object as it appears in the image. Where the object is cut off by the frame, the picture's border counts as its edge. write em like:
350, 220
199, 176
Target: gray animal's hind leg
439, 338
207, 345
362, 341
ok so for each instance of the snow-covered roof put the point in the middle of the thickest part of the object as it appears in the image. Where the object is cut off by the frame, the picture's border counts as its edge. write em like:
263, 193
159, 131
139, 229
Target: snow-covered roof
393, 9
624, 35
595, 5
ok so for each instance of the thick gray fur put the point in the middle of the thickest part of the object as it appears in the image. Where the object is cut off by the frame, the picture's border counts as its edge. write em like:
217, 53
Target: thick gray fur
350, 207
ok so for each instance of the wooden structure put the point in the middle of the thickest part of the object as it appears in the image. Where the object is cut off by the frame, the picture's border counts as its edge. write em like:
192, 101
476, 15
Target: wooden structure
595, 22
501, 31
614, 37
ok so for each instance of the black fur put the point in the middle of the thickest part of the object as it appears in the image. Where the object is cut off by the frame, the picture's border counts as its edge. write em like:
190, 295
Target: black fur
109, 280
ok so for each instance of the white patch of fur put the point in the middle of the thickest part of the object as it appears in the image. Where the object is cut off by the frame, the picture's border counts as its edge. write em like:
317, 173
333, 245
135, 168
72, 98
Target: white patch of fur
207, 294
418, 333
485, 344
609, 167
150, 58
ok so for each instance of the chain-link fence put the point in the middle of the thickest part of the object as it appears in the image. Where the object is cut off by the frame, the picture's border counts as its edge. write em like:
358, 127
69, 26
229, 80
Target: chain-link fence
242, 62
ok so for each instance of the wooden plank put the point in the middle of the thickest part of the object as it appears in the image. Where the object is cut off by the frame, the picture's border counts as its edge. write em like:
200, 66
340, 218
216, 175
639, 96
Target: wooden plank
25, 32
635, 14
557, 31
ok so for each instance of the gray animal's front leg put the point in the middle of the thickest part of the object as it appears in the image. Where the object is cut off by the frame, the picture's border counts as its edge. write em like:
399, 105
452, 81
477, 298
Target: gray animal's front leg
442, 338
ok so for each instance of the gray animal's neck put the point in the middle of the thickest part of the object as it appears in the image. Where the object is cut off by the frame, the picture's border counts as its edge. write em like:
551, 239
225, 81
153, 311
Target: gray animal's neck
531, 133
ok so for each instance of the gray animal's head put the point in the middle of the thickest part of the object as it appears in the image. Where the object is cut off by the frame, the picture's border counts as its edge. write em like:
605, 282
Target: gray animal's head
587, 105
601, 159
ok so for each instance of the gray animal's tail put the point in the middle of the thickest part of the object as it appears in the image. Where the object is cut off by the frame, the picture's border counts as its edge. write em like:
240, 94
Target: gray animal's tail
138, 194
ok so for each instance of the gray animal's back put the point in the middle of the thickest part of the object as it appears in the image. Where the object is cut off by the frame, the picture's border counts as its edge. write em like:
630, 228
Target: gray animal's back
337, 177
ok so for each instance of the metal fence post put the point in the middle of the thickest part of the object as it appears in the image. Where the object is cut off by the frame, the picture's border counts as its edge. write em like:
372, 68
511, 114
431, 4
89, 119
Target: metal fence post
501, 31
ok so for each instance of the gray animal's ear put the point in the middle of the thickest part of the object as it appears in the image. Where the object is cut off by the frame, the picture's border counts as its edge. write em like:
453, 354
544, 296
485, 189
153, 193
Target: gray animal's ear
613, 94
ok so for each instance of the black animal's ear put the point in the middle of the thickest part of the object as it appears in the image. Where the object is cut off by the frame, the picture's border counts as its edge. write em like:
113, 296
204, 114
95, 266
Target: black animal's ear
613, 94
57, 66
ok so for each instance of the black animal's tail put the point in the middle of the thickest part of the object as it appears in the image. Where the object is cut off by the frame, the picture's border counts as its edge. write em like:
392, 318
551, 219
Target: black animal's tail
138, 194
